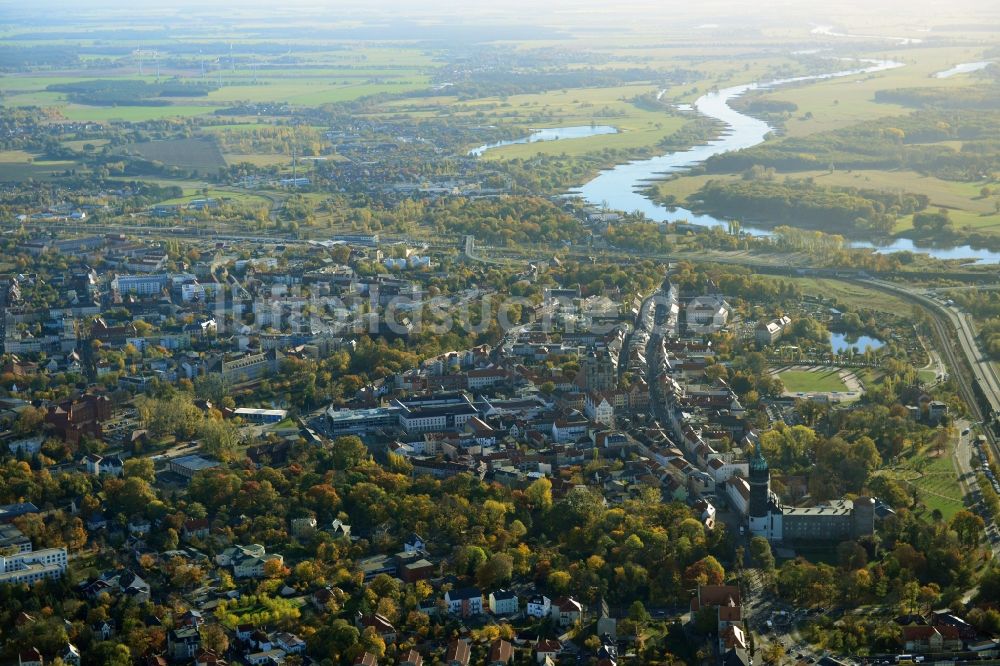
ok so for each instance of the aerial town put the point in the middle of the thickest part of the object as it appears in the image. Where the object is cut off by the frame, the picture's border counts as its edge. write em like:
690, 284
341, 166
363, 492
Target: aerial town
394, 341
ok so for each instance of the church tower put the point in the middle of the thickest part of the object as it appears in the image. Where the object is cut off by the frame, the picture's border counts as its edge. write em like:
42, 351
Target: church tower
760, 494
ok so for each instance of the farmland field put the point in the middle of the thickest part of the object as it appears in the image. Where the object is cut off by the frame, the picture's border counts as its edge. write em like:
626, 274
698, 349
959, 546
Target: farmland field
17, 165
200, 154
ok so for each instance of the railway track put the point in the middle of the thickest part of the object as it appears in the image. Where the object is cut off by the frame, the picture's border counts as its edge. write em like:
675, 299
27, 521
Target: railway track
975, 376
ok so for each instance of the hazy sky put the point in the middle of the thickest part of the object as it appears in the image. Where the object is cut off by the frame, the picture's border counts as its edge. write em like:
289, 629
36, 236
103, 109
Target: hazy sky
550, 13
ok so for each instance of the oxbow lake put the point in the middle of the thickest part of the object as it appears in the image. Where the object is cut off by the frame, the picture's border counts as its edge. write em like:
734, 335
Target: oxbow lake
549, 134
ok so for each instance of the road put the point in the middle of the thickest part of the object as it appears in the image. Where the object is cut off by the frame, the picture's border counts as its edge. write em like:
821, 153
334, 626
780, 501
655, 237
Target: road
973, 373
962, 457
957, 342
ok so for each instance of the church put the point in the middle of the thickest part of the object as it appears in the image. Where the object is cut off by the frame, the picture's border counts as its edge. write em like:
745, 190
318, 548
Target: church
838, 520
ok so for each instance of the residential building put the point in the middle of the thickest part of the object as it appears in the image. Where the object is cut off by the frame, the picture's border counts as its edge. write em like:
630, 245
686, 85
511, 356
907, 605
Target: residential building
457, 654
381, 624
501, 653
70, 655
547, 649
366, 659
769, 332
183, 643
30, 657
411, 658
140, 285
566, 611
539, 606
289, 643
465, 602
414, 544
503, 602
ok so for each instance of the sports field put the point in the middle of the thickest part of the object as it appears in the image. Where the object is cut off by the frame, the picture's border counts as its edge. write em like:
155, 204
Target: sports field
820, 380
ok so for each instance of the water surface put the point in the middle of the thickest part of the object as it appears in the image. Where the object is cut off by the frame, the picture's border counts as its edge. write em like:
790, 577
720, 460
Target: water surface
620, 188
963, 68
549, 134
841, 342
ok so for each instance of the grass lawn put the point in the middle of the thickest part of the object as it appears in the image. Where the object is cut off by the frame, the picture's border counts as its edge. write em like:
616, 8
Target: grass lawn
15, 156
23, 170
823, 380
132, 113
78, 145
845, 101
934, 478
257, 159
232, 196
637, 127
850, 294
926, 376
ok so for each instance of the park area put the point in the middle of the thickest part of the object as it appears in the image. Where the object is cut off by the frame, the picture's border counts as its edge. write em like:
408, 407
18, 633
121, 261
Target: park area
931, 474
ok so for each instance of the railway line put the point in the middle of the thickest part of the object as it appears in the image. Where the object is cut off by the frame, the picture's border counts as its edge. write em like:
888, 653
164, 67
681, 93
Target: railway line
974, 374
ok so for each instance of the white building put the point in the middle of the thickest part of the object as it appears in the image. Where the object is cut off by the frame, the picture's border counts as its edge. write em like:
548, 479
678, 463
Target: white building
738, 494
768, 333
26, 447
539, 606
503, 602
252, 566
140, 285
569, 430
707, 314
597, 408
33, 566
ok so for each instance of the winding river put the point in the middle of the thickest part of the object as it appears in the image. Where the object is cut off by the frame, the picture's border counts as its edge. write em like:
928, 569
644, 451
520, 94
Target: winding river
619, 188
963, 68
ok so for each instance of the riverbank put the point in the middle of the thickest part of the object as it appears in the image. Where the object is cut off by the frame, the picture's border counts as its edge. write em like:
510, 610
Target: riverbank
626, 187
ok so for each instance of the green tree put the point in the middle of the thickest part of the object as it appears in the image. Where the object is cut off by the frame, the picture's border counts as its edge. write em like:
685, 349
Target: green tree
219, 438
349, 452
495, 571
539, 494
760, 551
969, 528
107, 653
141, 468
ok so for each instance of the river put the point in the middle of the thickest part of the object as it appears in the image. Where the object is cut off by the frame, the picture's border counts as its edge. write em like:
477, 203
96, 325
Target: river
619, 188
549, 134
828, 31
963, 68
